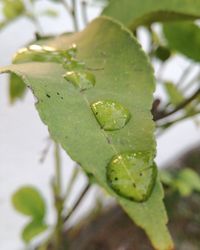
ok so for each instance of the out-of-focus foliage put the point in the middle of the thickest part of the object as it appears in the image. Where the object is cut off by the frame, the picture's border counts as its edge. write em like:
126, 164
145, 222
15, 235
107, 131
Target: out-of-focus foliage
184, 181
28, 201
184, 37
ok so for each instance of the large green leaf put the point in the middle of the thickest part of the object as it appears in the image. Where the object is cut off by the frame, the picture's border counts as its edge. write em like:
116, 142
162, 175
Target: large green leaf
124, 75
184, 37
133, 13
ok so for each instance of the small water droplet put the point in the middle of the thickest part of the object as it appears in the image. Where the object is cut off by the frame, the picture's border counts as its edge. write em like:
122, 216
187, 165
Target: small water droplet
73, 64
82, 80
110, 115
124, 175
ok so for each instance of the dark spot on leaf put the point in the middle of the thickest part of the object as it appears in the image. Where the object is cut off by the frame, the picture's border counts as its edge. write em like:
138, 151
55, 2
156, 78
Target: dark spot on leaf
47, 95
108, 140
58, 93
116, 179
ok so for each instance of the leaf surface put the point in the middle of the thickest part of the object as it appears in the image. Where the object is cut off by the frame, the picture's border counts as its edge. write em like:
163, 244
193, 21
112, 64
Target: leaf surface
33, 229
136, 12
123, 75
184, 37
28, 201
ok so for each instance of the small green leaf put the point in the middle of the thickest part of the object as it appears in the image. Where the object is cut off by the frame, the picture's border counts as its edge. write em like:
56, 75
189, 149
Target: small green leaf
184, 37
17, 88
33, 229
133, 13
174, 94
184, 181
13, 8
28, 201
187, 181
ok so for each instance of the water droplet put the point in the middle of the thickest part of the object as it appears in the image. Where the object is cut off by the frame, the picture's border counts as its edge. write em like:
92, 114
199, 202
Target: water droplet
82, 80
131, 175
37, 53
42, 53
110, 115
73, 64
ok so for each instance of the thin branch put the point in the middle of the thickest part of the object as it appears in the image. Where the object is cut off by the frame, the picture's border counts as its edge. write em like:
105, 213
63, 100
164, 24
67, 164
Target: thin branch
71, 183
184, 75
82, 195
192, 81
74, 15
58, 170
180, 106
84, 11
169, 124
67, 7
45, 150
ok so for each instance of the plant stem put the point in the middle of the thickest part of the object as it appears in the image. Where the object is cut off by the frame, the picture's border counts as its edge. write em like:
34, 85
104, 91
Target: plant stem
74, 15
184, 75
191, 82
58, 200
84, 11
71, 182
58, 169
180, 106
45, 150
82, 195
169, 124
67, 7
72, 11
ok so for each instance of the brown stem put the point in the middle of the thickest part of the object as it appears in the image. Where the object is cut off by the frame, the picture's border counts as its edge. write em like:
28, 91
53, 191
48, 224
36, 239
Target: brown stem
179, 107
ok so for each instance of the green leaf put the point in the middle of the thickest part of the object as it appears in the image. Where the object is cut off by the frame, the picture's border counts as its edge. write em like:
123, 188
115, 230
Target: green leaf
174, 94
184, 181
17, 88
49, 13
184, 38
28, 201
66, 108
33, 229
13, 8
133, 13
187, 181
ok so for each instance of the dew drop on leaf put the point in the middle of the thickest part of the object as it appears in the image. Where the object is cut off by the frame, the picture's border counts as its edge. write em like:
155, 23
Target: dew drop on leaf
37, 53
110, 115
82, 80
131, 176
42, 53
